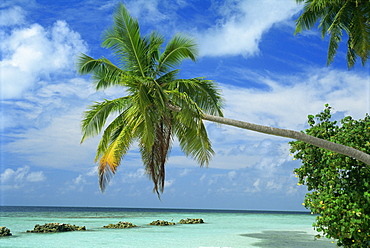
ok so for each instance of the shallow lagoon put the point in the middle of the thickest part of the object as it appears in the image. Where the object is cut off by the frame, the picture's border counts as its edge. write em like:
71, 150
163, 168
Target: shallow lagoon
236, 229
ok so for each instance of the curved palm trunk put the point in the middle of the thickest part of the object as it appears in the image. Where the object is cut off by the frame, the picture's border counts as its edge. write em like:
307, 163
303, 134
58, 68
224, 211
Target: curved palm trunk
335, 147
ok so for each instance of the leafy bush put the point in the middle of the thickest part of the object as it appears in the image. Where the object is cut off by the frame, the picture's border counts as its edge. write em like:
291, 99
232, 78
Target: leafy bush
339, 186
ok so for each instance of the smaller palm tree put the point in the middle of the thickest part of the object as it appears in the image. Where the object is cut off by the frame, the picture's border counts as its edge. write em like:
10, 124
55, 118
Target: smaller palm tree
147, 71
337, 17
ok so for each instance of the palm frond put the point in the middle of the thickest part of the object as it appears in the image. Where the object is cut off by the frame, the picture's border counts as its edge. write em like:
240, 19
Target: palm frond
340, 21
111, 133
335, 39
125, 40
155, 42
351, 57
193, 139
116, 141
150, 101
96, 117
177, 49
167, 78
190, 112
190, 130
335, 17
359, 35
111, 159
203, 92
104, 72
155, 156
308, 18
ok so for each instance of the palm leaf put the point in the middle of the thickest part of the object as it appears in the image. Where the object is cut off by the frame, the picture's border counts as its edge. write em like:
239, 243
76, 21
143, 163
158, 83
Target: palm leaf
155, 156
189, 129
155, 42
111, 132
311, 13
359, 39
177, 49
193, 139
105, 73
113, 155
203, 92
339, 23
120, 134
125, 40
335, 17
167, 78
95, 118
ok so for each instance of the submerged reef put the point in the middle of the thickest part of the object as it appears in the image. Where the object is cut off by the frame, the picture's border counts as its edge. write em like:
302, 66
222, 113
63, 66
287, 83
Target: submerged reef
121, 224
191, 221
4, 231
56, 227
161, 223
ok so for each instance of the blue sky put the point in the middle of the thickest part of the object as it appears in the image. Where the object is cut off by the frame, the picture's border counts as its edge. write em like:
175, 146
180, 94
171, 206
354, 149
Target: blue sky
267, 75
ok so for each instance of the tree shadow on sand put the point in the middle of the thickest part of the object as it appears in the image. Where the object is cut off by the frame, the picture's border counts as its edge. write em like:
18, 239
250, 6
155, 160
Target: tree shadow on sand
288, 239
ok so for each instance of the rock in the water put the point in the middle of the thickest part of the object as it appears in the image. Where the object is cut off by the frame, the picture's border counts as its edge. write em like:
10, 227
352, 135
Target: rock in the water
191, 221
56, 227
4, 231
161, 223
121, 224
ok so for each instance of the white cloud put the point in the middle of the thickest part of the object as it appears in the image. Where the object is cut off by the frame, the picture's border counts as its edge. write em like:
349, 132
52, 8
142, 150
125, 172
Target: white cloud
36, 176
19, 178
92, 171
130, 176
269, 179
56, 145
33, 53
257, 183
272, 185
291, 98
138, 174
76, 184
203, 177
147, 9
79, 180
231, 174
7, 175
12, 16
38, 65
184, 172
169, 183
242, 25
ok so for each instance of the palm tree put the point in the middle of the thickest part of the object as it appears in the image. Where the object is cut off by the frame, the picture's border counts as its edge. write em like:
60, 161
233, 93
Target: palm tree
159, 107
336, 16
147, 71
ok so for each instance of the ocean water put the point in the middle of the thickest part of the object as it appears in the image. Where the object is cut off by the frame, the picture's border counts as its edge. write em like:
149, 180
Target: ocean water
234, 229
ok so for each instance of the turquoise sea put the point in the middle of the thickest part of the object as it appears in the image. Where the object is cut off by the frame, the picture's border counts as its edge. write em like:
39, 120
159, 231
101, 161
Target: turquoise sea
222, 228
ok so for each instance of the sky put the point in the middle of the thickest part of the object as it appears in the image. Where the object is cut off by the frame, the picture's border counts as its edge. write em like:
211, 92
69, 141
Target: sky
268, 76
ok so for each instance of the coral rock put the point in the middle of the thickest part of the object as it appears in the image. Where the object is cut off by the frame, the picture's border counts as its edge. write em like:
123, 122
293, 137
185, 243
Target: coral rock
56, 227
161, 223
4, 231
121, 224
191, 221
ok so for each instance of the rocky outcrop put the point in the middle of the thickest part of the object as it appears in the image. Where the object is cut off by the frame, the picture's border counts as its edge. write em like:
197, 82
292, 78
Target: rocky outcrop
161, 223
191, 221
121, 224
4, 231
56, 227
